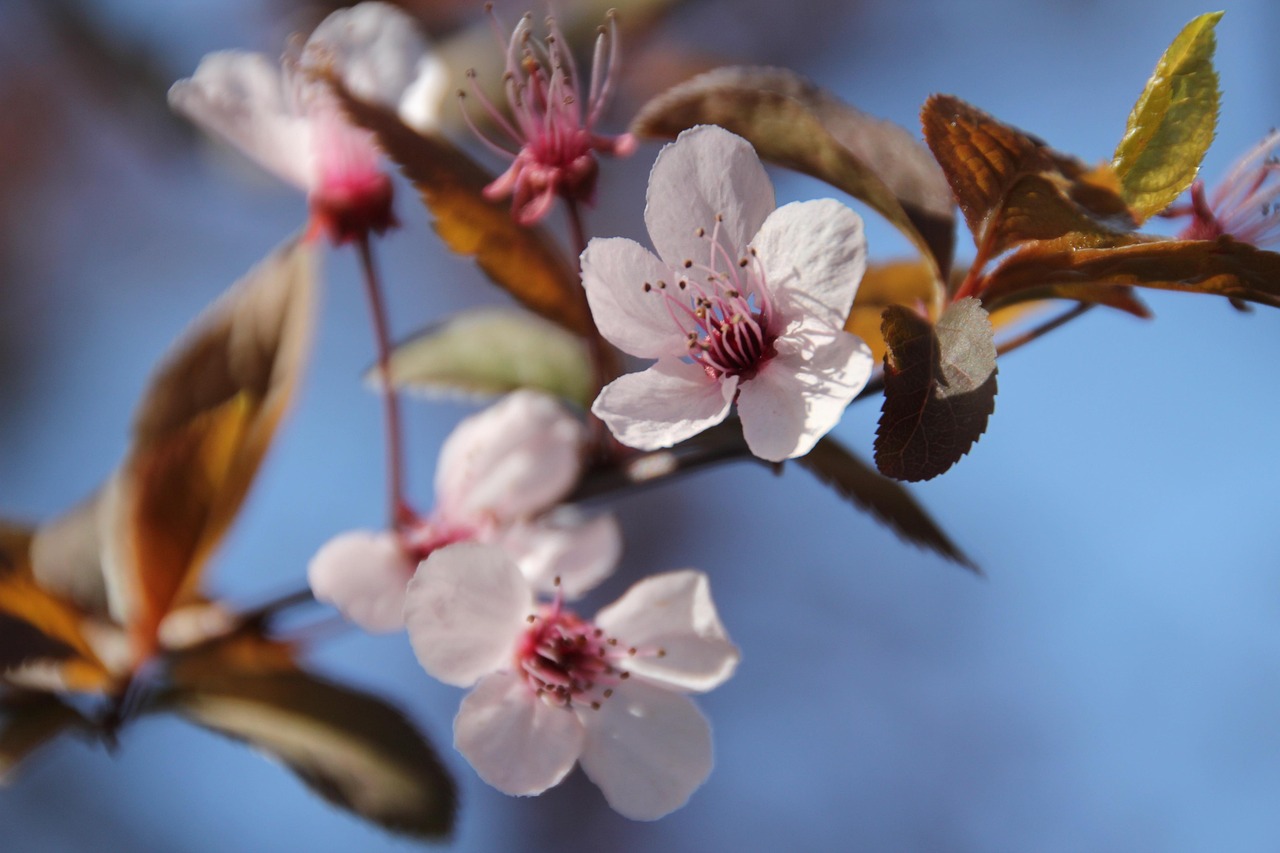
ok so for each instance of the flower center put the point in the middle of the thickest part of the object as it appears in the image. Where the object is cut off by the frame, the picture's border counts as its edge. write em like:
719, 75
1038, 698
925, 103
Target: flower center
568, 661
723, 309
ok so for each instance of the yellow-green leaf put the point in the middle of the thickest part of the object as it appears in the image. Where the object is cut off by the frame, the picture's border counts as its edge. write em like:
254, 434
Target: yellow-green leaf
1173, 122
491, 351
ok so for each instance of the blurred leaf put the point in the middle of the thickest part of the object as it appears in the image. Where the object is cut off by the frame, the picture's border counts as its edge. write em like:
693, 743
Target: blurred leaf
1013, 188
200, 432
523, 261
66, 557
795, 124
940, 388
1222, 267
28, 721
38, 629
352, 749
491, 351
887, 501
906, 283
1173, 122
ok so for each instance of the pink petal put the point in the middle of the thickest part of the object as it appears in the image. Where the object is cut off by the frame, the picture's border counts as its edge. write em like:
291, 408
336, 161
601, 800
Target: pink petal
615, 271
814, 254
671, 401
241, 97
363, 574
465, 609
647, 748
579, 550
802, 393
382, 57
518, 743
512, 460
674, 612
706, 172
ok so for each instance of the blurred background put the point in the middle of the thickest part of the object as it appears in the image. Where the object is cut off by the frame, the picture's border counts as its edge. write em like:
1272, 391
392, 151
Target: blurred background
1112, 684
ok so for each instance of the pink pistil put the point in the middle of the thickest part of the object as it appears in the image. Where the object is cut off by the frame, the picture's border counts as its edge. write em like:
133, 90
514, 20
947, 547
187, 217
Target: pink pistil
1244, 206
552, 132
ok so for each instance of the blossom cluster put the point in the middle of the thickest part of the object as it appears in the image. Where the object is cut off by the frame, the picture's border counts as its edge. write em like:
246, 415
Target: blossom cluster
742, 306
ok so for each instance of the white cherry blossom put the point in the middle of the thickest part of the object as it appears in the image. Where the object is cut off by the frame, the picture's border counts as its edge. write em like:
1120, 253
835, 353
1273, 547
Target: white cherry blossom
742, 303
552, 689
499, 478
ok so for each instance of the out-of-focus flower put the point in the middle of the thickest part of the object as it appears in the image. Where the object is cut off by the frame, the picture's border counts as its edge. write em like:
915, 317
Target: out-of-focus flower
552, 689
293, 126
499, 477
742, 303
552, 127
1244, 205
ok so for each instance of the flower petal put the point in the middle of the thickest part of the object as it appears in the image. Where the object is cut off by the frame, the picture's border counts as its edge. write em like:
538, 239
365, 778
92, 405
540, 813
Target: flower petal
814, 254
364, 574
674, 612
647, 748
514, 459
515, 741
241, 97
465, 609
382, 57
707, 172
663, 405
801, 394
579, 550
615, 271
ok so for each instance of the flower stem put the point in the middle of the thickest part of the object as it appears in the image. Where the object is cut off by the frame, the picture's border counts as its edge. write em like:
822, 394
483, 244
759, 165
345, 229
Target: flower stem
399, 509
1043, 329
604, 364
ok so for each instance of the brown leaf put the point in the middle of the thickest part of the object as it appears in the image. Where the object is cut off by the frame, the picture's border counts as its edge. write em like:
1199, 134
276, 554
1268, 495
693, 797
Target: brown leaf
1222, 267
351, 748
66, 557
887, 501
203, 426
523, 261
940, 387
906, 283
1013, 188
28, 721
795, 124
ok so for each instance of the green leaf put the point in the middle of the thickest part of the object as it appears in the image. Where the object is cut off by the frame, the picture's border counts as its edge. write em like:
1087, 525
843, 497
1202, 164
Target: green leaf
795, 124
491, 351
939, 389
1172, 123
352, 749
887, 501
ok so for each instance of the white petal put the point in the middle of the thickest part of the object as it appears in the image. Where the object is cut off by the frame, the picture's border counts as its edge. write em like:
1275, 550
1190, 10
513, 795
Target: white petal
642, 322
673, 612
802, 393
647, 748
515, 741
706, 172
579, 550
512, 460
241, 97
363, 574
382, 57
465, 609
814, 254
664, 405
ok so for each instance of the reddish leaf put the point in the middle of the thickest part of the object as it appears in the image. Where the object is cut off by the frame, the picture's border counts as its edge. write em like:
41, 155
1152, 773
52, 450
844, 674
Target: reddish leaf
887, 501
1222, 267
940, 387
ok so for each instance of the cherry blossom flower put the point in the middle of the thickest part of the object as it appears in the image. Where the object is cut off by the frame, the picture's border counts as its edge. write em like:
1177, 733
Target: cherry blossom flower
743, 303
552, 127
291, 123
552, 689
1244, 206
499, 478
